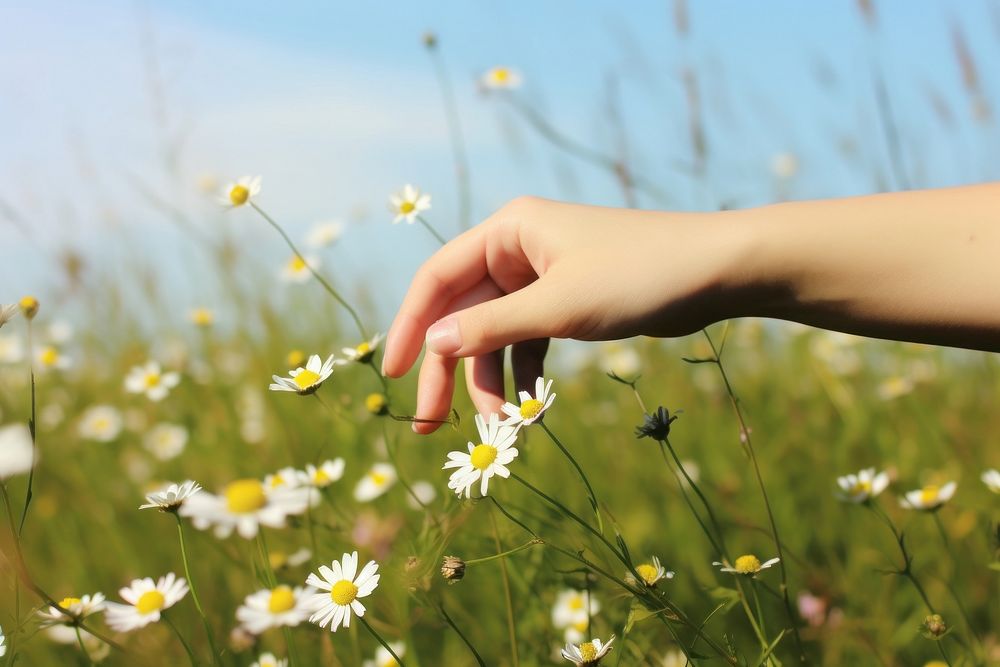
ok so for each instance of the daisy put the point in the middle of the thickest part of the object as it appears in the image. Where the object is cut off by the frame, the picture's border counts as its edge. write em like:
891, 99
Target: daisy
239, 193
145, 602
172, 497
306, 380
166, 441
652, 572
7, 313
268, 660
78, 608
244, 506
299, 269
29, 306
286, 478
365, 350
408, 204
342, 590
862, 487
102, 423
991, 478
323, 476
501, 78
377, 404
275, 607
531, 407
490, 457
151, 381
97, 650
50, 357
572, 605
423, 494
929, 498
201, 317
324, 234
588, 653
748, 564
16, 450
383, 658
376, 481
280, 560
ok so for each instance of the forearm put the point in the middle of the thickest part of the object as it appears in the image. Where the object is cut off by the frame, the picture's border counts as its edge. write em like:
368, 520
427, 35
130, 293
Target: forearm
921, 266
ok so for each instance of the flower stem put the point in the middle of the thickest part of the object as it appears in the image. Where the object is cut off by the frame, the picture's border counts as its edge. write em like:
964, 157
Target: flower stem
907, 570
32, 427
194, 591
381, 641
79, 639
527, 545
511, 628
187, 647
465, 640
951, 589
586, 482
433, 231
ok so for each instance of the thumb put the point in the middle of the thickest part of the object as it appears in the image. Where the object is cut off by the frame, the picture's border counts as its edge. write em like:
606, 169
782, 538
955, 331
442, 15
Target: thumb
492, 325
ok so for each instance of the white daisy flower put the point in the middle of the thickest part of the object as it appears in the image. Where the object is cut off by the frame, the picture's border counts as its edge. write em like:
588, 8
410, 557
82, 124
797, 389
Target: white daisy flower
588, 653
383, 658
151, 381
244, 506
490, 457
862, 487
97, 649
16, 450
408, 204
7, 313
11, 349
59, 332
275, 607
78, 608
573, 607
172, 497
364, 351
146, 600
747, 564
299, 269
280, 560
323, 476
286, 478
102, 423
50, 357
991, 478
306, 380
268, 660
423, 494
3, 647
531, 407
376, 481
501, 78
651, 573
239, 193
929, 498
165, 440
342, 591
324, 234
201, 316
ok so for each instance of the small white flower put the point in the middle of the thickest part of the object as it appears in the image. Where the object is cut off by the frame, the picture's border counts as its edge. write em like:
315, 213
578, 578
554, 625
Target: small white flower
324, 234
484, 460
239, 193
383, 658
244, 506
929, 498
102, 423
150, 380
166, 441
78, 608
588, 653
172, 497
532, 407
651, 573
991, 478
97, 650
501, 78
146, 600
59, 332
573, 609
51, 357
376, 481
423, 494
862, 487
201, 316
275, 607
8, 312
323, 476
364, 350
16, 450
306, 380
747, 564
342, 591
408, 204
280, 560
784, 166
299, 269
268, 660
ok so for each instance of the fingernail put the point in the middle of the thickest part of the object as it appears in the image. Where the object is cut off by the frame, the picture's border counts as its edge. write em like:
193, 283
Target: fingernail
443, 337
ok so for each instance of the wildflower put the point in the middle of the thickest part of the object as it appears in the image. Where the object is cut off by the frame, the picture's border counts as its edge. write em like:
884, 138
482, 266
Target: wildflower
430, 40
11, 350
151, 381
531, 407
241, 192
299, 269
656, 425
408, 204
812, 608
166, 441
286, 478
929, 498
29, 307
622, 360
50, 357
991, 478
453, 568
587, 653
59, 332
16, 450
172, 497
862, 487
202, 317
295, 358
376, 481
784, 165
280, 560
145, 602
383, 658
934, 627
268, 660
342, 591
7, 313
97, 649
102, 423
377, 404
422, 494
323, 476
364, 351
244, 505
652, 572
306, 380
275, 607
324, 234
747, 564
501, 78
572, 611
894, 387
490, 457
78, 608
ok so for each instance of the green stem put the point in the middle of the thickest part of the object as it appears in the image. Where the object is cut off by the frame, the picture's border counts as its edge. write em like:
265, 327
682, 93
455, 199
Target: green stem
265, 558
187, 647
381, 641
434, 233
194, 591
586, 482
79, 639
461, 635
511, 627
949, 586
32, 427
527, 545
907, 570
680, 485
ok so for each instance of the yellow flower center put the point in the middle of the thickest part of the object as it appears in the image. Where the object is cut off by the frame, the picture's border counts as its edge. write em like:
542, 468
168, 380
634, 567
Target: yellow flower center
343, 592
29, 306
305, 379
482, 456
296, 358
321, 478
101, 424
297, 264
244, 496
149, 602
277, 480
581, 625
66, 603
588, 651
576, 603
239, 194
377, 478
152, 379
407, 207
278, 560
202, 317
375, 403
49, 356
748, 564
929, 494
861, 486
648, 573
530, 408
282, 599
501, 74
363, 349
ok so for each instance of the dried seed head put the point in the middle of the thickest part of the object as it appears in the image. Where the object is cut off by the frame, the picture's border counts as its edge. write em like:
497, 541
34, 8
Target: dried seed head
453, 568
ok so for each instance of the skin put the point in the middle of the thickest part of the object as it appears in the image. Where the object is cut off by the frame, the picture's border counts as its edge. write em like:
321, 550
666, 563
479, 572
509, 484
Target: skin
918, 266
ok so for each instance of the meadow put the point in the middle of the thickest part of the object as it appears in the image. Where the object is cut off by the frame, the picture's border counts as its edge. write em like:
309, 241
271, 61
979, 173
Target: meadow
761, 493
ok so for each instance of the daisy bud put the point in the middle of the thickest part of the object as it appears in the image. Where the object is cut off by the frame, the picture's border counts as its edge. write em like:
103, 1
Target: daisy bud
29, 306
453, 568
656, 425
934, 626
377, 404
430, 40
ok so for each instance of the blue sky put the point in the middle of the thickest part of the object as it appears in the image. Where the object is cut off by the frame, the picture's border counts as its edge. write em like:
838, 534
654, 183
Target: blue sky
336, 105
